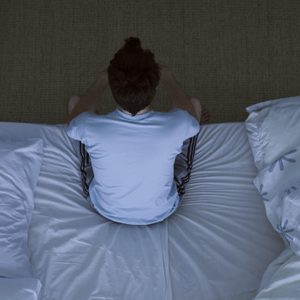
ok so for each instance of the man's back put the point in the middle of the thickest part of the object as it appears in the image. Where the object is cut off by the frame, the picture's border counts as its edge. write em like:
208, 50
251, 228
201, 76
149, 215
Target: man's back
133, 161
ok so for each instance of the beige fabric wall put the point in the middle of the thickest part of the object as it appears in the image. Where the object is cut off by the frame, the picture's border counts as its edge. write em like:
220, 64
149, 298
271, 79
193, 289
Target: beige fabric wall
228, 53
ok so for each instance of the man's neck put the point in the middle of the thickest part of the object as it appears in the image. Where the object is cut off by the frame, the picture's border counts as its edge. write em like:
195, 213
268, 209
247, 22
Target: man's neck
140, 112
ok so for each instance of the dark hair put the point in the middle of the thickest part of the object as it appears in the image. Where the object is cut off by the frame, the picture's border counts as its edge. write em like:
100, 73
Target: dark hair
133, 76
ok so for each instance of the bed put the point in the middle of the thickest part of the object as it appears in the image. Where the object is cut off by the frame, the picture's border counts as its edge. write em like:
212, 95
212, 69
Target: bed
217, 245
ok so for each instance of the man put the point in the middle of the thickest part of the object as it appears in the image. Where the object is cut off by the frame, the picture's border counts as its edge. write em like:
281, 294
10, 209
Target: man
133, 149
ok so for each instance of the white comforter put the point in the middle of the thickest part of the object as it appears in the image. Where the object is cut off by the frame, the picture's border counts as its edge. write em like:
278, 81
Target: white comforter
217, 245
279, 184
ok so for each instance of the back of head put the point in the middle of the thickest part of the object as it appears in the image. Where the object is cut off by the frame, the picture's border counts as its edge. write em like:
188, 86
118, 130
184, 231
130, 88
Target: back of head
133, 76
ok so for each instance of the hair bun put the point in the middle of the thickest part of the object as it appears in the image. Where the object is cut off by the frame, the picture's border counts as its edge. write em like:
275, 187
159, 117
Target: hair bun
133, 42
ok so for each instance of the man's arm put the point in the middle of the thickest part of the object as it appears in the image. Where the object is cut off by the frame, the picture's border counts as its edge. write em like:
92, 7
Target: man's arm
88, 99
180, 99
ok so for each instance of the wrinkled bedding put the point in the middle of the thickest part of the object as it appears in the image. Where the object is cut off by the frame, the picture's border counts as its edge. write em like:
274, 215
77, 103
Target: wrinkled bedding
217, 245
281, 280
279, 184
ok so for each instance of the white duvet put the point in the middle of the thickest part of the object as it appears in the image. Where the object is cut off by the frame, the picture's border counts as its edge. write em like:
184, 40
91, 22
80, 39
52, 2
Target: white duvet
279, 183
217, 245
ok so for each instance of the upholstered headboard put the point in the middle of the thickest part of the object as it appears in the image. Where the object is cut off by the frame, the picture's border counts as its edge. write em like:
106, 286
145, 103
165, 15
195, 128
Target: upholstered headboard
229, 54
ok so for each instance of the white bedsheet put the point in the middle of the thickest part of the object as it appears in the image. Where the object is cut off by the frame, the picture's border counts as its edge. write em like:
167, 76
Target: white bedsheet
282, 277
217, 245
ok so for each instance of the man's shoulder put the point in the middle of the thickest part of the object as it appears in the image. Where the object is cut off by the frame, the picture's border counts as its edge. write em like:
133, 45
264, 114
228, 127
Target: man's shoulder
85, 115
176, 109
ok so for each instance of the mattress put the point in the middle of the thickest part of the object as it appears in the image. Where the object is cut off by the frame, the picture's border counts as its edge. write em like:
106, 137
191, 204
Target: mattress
217, 244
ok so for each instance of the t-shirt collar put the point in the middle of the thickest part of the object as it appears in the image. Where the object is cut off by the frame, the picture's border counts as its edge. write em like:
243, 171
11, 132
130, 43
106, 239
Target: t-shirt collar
130, 117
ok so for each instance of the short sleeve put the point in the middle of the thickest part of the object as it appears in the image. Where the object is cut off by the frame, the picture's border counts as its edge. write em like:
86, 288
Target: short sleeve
76, 128
192, 126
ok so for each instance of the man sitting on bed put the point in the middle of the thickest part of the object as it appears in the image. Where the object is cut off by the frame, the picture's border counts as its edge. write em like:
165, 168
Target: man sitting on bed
133, 148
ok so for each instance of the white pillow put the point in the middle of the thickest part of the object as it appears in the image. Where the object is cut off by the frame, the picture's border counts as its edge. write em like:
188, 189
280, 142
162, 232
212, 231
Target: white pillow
281, 102
20, 163
19, 288
272, 129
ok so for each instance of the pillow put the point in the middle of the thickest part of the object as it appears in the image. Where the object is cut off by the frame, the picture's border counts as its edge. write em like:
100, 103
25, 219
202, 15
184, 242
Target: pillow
281, 102
20, 163
19, 288
273, 130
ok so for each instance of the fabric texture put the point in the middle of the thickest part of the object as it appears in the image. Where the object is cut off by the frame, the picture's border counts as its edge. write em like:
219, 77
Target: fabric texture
53, 49
20, 163
279, 185
273, 129
78, 254
20, 288
138, 185
281, 102
281, 278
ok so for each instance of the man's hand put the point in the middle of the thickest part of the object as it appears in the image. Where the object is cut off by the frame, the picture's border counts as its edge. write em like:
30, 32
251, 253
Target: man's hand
198, 107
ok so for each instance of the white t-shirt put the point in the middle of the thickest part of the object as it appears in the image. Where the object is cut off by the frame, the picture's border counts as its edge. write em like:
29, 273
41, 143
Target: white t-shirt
133, 161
